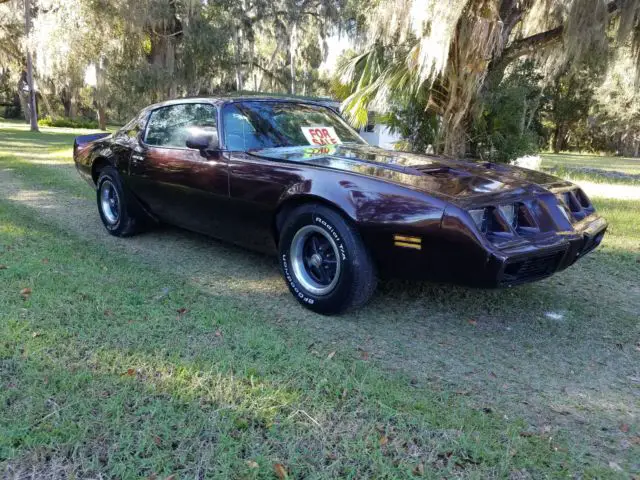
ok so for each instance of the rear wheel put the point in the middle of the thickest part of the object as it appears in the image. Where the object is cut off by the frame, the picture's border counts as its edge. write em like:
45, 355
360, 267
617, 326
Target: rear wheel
119, 215
324, 261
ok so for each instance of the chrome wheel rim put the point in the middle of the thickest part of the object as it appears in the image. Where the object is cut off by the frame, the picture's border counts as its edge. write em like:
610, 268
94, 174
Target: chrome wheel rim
109, 202
315, 260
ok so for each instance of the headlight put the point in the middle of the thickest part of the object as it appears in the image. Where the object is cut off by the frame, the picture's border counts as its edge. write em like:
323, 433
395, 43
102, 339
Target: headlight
564, 212
509, 212
479, 216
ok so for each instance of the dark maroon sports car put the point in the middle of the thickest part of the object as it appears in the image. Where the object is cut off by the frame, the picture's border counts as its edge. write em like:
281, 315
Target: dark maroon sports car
290, 177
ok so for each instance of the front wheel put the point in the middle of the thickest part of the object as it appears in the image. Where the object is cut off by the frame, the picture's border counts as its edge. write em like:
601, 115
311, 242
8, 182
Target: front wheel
324, 261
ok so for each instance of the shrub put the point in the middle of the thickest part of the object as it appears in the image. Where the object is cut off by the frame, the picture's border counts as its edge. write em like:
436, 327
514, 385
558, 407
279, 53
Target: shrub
67, 123
507, 125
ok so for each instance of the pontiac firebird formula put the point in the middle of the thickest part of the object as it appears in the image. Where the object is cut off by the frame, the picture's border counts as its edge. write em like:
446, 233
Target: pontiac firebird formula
291, 178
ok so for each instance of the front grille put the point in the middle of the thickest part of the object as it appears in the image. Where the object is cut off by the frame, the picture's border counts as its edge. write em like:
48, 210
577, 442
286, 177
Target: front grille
532, 267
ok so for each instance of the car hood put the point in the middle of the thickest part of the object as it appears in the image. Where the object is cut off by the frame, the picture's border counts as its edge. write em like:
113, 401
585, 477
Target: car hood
453, 179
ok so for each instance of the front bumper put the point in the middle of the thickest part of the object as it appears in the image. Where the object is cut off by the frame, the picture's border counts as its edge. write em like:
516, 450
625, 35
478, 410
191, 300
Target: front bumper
454, 257
516, 265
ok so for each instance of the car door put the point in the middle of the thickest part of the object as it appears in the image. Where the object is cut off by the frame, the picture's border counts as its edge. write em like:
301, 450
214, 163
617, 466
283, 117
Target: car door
256, 184
179, 185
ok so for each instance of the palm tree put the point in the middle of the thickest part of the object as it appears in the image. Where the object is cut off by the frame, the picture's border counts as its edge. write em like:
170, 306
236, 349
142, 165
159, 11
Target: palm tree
446, 51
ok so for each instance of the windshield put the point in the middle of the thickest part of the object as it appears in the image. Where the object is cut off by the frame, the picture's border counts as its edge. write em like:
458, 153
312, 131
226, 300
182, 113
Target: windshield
257, 125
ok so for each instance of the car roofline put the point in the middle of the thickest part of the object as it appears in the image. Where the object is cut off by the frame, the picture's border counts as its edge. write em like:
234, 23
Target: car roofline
224, 100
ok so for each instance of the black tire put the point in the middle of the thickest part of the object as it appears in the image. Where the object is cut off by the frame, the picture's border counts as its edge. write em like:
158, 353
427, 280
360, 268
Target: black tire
350, 284
128, 219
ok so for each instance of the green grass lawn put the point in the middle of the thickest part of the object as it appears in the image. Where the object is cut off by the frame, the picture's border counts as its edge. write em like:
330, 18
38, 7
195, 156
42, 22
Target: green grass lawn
168, 354
573, 165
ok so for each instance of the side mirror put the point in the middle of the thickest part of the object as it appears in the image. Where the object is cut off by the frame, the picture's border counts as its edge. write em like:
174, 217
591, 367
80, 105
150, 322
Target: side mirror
205, 140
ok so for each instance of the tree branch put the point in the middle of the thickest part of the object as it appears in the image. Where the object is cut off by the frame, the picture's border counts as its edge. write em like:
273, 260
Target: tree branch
527, 45
268, 73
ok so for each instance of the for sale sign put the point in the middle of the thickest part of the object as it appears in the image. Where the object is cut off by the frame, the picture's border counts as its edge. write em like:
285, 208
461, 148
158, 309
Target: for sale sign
321, 135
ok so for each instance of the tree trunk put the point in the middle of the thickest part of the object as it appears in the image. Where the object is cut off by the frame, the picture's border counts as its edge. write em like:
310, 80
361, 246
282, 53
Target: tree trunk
558, 138
102, 118
32, 107
523, 117
454, 142
292, 57
100, 96
23, 96
65, 99
238, 59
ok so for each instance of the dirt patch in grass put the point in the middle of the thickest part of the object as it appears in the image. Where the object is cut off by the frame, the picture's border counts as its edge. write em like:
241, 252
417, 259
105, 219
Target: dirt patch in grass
562, 353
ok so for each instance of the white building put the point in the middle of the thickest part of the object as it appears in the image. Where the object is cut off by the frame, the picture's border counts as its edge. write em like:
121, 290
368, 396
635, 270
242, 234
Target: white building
379, 135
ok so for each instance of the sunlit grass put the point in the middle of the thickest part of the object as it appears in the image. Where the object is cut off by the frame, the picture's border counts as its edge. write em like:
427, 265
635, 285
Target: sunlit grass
605, 169
624, 220
575, 160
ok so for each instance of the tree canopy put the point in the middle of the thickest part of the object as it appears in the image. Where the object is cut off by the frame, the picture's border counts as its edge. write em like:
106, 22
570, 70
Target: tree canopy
488, 78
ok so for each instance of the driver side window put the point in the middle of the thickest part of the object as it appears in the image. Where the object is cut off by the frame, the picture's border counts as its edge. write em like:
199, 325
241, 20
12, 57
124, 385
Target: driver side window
170, 126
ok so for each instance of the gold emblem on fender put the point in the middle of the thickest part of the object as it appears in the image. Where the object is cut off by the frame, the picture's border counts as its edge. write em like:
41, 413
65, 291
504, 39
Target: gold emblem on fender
407, 242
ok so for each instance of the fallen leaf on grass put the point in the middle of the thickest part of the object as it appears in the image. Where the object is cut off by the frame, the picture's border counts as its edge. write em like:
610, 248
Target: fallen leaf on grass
25, 293
281, 471
635, 440
473, 322
165, 292
615, 467
157, 440
364, 355
45, 260
36, 334
253, 465
331, 355
463, 392
3, 267
171, 477
383, 441
624, 427
108, 312
182, 311
419, 470
493, 375
218, 333
130, 372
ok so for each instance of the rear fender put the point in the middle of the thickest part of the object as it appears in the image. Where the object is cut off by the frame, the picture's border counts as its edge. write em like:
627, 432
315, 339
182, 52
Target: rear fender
84, 154
84, 139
